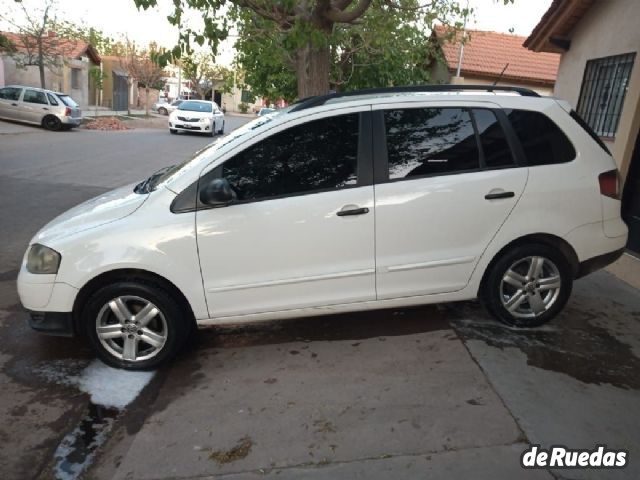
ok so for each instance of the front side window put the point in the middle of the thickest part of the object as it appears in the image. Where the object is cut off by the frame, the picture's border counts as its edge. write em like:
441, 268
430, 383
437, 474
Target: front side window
542, 140
604, 87
318, 155
10, 93
34, 96
428, 141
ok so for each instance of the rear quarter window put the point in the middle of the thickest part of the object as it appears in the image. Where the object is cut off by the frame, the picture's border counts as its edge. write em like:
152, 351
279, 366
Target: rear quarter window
543, 142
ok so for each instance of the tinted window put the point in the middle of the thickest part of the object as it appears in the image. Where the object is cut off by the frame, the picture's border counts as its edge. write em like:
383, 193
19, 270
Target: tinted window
10, 93
542, 140
52, 99
426, 141
34, 96
492, 140
315, 156
68, 101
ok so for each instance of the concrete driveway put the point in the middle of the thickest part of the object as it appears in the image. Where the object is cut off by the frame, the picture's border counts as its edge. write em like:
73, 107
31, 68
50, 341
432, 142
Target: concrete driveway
433, 392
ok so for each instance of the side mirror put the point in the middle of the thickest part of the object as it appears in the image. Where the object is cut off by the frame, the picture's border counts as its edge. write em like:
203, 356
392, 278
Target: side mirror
217, 192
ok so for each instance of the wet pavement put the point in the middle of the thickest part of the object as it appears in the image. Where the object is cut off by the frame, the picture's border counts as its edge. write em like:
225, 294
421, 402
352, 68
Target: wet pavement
436, 391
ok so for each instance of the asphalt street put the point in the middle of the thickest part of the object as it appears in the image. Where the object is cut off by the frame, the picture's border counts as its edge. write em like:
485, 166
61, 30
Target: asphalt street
434, 392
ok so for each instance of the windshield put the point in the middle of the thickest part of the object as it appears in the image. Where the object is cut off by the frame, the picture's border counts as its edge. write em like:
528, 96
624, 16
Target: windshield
68, 101
192, 106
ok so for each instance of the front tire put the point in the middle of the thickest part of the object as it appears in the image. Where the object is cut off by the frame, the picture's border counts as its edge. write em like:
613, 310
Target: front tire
528, 285
221, 131
173, 131
163, 111
135, 325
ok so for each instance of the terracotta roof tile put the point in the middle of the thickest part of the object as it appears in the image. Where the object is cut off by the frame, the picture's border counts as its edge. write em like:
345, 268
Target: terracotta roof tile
64, 46
487, 53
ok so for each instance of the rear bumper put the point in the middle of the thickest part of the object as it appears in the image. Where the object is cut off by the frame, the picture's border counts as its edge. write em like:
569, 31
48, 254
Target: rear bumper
70, 121
596, 263
52, 323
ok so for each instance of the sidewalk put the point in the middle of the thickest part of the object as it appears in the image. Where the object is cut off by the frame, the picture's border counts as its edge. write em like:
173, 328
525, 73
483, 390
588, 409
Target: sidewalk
627, 269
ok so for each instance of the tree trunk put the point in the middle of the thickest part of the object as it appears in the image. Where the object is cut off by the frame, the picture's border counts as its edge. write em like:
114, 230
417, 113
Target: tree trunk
41, 64
312, 71
146, 101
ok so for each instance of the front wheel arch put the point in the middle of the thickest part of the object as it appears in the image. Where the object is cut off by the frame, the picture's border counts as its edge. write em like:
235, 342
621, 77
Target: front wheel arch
130, 274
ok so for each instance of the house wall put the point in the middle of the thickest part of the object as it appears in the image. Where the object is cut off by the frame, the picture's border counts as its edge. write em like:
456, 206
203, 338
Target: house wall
607, 28
58, 80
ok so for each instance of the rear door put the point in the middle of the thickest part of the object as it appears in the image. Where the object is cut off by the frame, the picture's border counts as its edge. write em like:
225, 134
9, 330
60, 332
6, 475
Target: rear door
9, 102
34, 106
445, 183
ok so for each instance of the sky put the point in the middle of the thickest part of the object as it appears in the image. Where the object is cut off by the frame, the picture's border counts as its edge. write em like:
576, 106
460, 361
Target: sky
118, 17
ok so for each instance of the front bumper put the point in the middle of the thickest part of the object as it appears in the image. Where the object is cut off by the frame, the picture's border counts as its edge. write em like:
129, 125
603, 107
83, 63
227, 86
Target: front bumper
52, 323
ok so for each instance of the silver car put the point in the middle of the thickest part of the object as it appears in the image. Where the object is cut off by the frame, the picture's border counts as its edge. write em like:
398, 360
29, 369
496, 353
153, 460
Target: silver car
52, 110
165, 108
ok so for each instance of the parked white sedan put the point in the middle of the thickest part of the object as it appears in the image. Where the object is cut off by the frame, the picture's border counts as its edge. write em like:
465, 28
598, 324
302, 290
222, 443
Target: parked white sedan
197, 116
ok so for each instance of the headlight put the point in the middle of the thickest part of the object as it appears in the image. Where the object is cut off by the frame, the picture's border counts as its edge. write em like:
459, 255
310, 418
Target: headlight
42, 259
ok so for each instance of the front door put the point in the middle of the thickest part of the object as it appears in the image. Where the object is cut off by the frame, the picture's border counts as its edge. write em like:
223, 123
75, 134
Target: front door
301, 231
9, 102
446, 193
631, 200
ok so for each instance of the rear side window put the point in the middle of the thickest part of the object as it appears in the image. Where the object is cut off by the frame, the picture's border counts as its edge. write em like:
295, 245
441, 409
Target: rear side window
318, 155
542, 140
495, 148
429, 141
52, 99
34, 96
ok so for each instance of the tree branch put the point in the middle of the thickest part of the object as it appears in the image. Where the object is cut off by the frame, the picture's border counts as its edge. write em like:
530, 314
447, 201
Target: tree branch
344, 16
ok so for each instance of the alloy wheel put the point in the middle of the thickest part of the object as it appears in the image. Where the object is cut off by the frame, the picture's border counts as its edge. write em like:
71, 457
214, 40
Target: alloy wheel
530, 287
131, 328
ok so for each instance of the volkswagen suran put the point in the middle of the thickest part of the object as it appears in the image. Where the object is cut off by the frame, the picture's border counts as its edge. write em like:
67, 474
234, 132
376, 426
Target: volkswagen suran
344, 202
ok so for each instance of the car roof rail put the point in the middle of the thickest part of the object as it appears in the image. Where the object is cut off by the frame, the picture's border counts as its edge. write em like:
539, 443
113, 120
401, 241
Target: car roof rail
316, 101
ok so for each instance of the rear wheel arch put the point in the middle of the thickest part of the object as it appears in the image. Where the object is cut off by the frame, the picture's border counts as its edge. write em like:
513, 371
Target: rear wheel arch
134, 275
550, 240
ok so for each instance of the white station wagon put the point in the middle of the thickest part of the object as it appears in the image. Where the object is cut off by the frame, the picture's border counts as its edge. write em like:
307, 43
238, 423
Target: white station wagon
344, 202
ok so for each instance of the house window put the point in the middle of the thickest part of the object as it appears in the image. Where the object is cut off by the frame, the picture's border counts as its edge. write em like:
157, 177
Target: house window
75, 78
247, 97
603, 90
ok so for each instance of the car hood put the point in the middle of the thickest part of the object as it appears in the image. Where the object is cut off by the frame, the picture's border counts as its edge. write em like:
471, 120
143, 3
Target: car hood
105, 208
190, 114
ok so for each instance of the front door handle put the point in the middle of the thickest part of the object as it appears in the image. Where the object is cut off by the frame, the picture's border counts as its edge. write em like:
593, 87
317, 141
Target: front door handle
14, 104
496, 195
348, 210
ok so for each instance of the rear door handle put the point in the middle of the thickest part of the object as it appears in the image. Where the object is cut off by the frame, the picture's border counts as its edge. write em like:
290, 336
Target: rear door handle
348, 210
14, 104
496, 195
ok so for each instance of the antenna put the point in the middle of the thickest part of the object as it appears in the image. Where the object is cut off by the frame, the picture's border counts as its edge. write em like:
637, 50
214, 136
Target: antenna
500, 76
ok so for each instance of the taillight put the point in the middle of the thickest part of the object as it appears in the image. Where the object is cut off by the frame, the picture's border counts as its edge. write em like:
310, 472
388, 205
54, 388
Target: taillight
67, 112
610, 184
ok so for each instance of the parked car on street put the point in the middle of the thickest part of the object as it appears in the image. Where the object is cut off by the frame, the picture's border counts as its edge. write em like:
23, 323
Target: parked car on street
197, 116
165, 108
344, 202
52, 110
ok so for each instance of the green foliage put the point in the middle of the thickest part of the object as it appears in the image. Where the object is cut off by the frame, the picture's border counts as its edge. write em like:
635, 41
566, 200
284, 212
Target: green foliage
97, 76
371, 43
244, 108
104, 44
6, 45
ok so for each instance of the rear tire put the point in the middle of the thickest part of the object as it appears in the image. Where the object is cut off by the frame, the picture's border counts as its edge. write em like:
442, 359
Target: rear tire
528, 285
163, 111
51, 122
135, 324
221, 131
